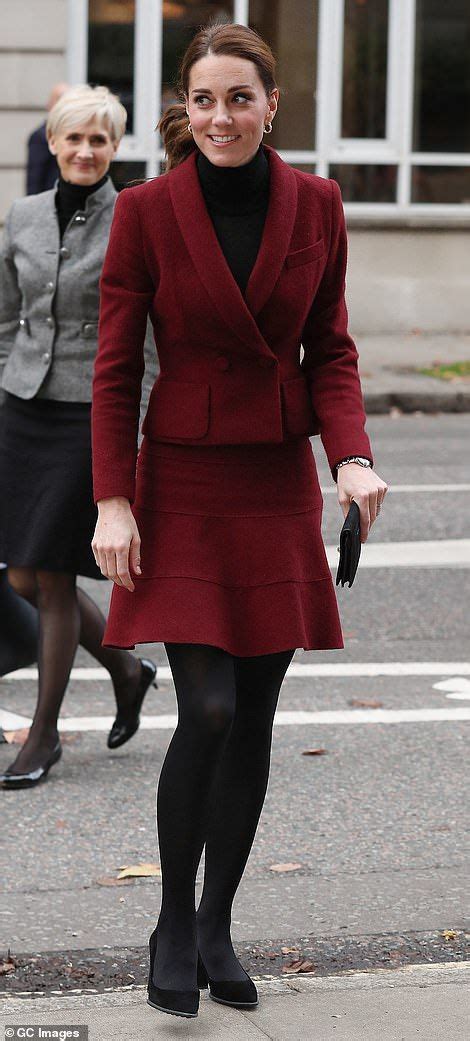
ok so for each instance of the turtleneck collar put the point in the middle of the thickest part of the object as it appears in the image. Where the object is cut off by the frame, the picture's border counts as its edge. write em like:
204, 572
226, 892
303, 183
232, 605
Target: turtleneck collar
76, 194
236, 189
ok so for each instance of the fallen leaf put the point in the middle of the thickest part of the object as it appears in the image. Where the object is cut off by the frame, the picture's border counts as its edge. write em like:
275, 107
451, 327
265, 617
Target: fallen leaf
139, 871
315, 751
449, 934
289, 950
365, 703
19, 737
16, 737
61, 824
7, 966
301, 965
284, 867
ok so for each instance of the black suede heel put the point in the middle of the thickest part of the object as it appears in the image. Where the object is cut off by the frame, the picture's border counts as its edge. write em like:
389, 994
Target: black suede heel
241, 993
175, 1002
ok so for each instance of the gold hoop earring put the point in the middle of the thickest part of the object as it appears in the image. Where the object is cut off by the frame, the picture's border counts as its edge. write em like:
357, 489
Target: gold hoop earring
268, 128
189, 127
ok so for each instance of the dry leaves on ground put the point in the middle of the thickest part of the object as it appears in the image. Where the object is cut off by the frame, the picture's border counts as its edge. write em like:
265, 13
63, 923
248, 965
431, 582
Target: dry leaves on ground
449, 934
300, 965
284, 867
139, 871
19, 737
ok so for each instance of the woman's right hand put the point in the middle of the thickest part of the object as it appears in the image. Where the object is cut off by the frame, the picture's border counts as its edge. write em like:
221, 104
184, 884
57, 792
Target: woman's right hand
116, 542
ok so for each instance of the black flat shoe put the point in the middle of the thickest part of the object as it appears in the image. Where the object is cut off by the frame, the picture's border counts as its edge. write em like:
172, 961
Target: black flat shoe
175, 1002
127, 723
11, 780
241, 993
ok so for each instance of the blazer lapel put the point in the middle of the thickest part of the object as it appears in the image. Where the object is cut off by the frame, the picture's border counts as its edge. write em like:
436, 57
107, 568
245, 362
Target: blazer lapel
204, 248
277, 232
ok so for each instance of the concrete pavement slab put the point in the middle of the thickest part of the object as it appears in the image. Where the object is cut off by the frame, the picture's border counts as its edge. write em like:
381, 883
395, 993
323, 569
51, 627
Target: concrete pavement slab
389, 378
425, 1002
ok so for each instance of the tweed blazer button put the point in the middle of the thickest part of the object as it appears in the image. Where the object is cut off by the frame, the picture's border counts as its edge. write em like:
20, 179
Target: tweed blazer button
50, 287
80, 218
50, 322
222, 363
64, 252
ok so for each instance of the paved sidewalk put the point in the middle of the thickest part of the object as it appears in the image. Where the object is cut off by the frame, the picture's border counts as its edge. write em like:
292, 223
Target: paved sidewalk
423, 1003
387, 365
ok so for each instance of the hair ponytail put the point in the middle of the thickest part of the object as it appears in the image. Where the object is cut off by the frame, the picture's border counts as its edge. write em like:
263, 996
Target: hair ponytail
176, 137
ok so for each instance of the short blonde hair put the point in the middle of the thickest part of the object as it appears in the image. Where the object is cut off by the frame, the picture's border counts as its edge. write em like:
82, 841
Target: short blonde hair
82, 103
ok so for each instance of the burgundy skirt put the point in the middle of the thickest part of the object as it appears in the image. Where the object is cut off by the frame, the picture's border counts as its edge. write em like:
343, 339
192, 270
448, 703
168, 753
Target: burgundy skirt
231, 551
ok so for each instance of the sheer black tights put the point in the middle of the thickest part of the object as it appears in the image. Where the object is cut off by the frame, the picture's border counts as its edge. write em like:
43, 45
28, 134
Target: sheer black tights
67, 616
211, 791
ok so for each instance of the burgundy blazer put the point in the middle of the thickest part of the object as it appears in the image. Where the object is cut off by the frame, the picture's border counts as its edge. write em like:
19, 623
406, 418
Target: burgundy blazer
230, 365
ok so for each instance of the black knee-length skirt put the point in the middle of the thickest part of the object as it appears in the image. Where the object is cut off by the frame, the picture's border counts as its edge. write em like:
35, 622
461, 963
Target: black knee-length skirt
47, 513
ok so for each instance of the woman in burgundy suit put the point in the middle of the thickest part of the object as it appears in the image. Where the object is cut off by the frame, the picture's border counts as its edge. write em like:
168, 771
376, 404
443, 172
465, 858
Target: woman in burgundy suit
213, 540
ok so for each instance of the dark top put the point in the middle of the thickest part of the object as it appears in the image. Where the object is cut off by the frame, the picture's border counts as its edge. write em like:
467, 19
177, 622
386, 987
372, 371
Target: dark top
41, 170
72, 197
237, 199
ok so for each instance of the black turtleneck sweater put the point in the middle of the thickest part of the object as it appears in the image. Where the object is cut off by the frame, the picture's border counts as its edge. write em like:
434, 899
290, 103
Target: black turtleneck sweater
72, 197
237, 199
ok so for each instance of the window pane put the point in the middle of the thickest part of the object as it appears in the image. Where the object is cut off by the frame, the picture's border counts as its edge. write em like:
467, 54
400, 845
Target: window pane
123, 171
441, 184
293, 38
365, 183
111, 50
364, 68
181, 21
305, 167
442, 81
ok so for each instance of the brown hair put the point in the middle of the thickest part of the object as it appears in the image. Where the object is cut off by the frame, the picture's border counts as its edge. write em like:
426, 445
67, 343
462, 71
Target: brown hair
215, 38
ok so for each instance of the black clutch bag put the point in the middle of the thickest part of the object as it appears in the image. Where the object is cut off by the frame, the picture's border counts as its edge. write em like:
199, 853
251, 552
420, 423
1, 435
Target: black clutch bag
349, 546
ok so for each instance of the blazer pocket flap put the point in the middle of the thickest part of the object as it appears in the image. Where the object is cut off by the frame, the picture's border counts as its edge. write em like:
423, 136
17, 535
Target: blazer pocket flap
178, 409
305, 255
298, 409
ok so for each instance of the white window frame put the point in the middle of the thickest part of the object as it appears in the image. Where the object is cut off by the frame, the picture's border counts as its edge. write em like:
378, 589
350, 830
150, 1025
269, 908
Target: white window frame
141, 145
395, 148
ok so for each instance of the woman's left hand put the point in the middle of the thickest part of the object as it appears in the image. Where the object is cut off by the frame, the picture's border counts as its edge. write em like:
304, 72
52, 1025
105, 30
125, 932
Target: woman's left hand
367, 489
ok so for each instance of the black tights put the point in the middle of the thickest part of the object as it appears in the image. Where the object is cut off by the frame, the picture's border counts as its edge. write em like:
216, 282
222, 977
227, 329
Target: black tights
211, 790
67, 617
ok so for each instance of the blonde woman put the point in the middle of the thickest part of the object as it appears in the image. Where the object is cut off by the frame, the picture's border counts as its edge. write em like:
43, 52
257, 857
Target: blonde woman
53, 252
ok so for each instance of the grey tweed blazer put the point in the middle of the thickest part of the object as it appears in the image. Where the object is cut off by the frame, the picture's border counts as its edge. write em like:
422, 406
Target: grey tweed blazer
49, 297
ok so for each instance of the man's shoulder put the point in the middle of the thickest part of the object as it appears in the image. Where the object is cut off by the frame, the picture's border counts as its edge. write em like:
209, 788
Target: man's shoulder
38, 136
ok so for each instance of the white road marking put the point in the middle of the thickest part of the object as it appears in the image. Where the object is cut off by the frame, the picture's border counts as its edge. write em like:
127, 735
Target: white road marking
331, 489
431, 554
168, 721
458, 686
297, 670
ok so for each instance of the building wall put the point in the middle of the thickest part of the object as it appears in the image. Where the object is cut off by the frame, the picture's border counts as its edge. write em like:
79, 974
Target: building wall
33, 42
399, 279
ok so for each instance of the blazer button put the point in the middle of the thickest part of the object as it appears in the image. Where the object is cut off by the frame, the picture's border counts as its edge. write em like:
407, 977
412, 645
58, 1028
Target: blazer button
46, 357
50, 322
222, 363
50, 287
267, 363
80, 218
89, 330
64, 252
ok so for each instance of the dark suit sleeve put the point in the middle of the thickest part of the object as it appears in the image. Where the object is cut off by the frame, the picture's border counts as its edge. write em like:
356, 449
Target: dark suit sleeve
126, 291
330, 355
38, 163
